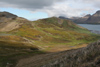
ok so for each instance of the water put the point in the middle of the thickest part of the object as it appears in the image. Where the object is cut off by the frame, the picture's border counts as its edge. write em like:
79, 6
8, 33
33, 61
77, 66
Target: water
92, 28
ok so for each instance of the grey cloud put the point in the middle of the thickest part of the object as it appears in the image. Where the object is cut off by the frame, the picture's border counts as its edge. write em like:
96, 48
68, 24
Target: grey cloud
95, 3
64, 7
27, 4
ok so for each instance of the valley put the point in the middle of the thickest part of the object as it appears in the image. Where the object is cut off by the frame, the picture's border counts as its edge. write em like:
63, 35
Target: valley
22, 39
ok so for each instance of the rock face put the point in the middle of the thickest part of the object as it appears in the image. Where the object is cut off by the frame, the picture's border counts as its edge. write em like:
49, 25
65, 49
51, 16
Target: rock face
84, 57
88, 19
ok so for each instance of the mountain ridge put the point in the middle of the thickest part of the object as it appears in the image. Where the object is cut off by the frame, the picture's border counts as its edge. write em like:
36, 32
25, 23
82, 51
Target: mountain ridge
87, 19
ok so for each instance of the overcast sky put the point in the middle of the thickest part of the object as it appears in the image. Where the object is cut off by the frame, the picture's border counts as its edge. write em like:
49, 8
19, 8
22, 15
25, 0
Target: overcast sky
36, 9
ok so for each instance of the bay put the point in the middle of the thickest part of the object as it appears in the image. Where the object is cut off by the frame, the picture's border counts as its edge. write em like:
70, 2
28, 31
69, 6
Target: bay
92, 28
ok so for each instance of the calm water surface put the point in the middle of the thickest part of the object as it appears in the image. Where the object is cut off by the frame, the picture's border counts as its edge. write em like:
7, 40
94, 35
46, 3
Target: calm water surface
93, 28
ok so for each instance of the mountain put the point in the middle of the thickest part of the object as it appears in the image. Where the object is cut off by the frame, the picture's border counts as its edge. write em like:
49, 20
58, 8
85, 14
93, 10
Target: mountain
81, 19
88, 19
21, 38
95, 18
77, 19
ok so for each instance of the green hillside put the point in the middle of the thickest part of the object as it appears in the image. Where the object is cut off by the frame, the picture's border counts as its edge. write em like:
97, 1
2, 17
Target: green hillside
41, 36
52, 33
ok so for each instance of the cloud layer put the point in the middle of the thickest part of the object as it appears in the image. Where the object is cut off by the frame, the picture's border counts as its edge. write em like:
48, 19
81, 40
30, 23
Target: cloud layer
28, 4
66, 8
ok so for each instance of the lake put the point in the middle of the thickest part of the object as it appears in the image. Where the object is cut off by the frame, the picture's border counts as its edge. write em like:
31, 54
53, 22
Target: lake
92, 28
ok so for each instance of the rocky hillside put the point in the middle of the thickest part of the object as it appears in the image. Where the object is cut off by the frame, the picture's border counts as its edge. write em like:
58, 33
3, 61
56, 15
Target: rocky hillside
20, 38
88, 19
84, 57
10, 21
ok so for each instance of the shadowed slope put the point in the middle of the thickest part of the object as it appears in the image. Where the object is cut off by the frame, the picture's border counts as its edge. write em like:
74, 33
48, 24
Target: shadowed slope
84, 57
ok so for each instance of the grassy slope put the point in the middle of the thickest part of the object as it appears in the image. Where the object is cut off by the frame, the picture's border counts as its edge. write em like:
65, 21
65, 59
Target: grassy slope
50, 34
12, 47
66, 34
54, 33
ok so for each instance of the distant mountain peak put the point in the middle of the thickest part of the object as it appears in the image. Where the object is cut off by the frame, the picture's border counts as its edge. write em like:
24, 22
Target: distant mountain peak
98, 11
92, 19
62, 17
97, 14
88, 15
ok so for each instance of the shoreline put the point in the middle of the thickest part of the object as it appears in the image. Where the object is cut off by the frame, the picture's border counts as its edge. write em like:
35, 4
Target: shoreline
95, 31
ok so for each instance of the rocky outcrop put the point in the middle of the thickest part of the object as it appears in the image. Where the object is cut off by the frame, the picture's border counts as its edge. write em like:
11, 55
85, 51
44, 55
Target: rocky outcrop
84, 57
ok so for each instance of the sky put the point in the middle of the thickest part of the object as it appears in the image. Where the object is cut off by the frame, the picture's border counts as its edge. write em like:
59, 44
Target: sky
38, 9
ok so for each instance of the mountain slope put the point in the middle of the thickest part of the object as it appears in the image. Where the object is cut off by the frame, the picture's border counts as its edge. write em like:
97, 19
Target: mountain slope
78, 19
10, 21
84, 57
81, 19
54, 33
95, 18
20, 38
